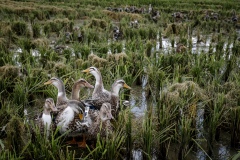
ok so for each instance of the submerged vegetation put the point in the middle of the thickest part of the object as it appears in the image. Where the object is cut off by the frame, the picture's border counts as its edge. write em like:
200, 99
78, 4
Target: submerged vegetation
183, 55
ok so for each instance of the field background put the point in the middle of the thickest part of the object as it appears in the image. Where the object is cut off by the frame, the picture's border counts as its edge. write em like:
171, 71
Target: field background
183, 66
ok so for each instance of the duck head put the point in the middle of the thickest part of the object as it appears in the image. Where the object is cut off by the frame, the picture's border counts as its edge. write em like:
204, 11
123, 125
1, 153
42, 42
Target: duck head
118, 84
57, 82
83, 83
92, 70
105, 112
49, 105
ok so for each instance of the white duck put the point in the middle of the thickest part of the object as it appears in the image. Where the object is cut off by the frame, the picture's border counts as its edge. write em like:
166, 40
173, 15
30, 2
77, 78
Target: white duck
45, 119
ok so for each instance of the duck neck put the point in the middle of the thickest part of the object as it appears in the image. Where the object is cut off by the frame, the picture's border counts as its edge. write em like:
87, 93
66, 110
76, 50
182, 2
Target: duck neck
61, 94
99, 83
75, 92
115, 90
46, 111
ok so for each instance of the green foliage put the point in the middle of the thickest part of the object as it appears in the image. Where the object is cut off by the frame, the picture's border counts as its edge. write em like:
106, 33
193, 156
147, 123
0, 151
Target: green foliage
20, 28
36, 30
48, 148
109, 147
175, 82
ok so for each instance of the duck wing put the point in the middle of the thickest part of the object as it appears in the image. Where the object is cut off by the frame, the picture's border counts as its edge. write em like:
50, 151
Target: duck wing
71, 118
101, 97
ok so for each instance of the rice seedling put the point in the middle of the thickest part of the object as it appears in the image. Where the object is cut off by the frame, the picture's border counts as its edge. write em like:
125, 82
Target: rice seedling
235, 127
109, 147
9, 155
36, 30
15, 131
20, 28
147, 135
41, 147
218, 112
165, 127
185, 136
129, 142
235, 157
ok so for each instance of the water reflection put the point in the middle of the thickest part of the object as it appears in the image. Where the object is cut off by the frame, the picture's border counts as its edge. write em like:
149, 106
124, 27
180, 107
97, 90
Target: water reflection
200, 130
223, 152
35, 53
16, 56
137, 154
166, 45
199, 122
139, 108
198, 45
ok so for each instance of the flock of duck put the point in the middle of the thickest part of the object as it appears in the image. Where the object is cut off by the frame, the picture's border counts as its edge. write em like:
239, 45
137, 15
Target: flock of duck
81, 118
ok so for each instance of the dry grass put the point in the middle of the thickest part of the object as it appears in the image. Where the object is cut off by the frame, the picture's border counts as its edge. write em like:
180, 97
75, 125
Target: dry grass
30, 7
188, 92
9, 71
191, 86
97, 61
92, 57
41, 42
117, 57
233, 98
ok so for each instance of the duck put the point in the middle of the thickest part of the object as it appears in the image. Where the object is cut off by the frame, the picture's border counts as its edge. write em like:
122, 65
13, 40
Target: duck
114, 100
99, 121
45, 119
76, 88
100, 95
70, 118
95, 118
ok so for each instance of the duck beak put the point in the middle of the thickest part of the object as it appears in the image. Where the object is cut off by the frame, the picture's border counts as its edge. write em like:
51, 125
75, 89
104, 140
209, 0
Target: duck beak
81, 116
48, 82
54, 109
88, 85
86, 70
126, 86
110, 116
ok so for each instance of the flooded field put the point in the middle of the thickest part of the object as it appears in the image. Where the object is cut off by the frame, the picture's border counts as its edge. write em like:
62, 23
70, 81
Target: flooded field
180, 59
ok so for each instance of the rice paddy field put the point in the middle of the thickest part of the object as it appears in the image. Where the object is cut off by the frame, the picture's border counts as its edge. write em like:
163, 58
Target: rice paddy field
180, 57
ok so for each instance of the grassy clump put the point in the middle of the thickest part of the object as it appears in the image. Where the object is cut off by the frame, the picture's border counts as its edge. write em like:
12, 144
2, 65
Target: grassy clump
20, 28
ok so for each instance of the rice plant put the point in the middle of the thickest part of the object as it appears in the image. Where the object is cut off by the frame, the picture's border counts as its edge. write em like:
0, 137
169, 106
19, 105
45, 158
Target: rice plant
147, 135
109, 147
206, 72
41, 147
218, 112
